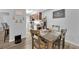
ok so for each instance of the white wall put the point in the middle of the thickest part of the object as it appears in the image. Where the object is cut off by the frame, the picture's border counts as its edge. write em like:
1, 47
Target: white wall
3, 16
71, 22
1, 20
15, 29
27, 23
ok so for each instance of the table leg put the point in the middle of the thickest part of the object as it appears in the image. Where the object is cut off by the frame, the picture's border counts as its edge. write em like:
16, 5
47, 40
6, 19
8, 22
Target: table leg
63, 43
59, 44
49, 45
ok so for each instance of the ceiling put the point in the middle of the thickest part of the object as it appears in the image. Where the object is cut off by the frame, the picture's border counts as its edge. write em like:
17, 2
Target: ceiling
33, 11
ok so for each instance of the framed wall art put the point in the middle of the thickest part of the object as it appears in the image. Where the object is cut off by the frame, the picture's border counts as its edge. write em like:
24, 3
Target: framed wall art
18, 19
59, 13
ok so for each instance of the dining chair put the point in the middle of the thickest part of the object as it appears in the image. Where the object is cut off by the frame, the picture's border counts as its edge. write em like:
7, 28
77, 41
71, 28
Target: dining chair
63, 34
38, 42
35, 41
56, 43
60, 41
6, 30
43, 43
56, 27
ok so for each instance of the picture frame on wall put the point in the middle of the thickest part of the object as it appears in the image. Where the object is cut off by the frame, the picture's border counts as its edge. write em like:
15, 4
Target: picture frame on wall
18, 19
59, 13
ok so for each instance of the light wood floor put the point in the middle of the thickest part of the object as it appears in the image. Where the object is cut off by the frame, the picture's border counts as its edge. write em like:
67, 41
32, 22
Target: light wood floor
27, 44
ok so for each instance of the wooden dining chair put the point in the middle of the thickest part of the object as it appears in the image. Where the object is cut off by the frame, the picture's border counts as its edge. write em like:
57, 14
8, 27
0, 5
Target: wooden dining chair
56, 27
38, 42
43, 43
60, 41
63, 34
35, 41
56, 43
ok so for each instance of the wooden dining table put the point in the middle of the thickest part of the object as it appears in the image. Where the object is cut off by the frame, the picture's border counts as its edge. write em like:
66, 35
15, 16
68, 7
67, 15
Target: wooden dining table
51, 36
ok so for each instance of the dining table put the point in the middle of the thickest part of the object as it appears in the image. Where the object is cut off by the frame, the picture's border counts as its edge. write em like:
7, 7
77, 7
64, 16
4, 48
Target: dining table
51, 36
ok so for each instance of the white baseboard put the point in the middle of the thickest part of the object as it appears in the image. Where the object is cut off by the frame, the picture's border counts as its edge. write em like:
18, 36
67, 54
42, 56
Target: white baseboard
72, 43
